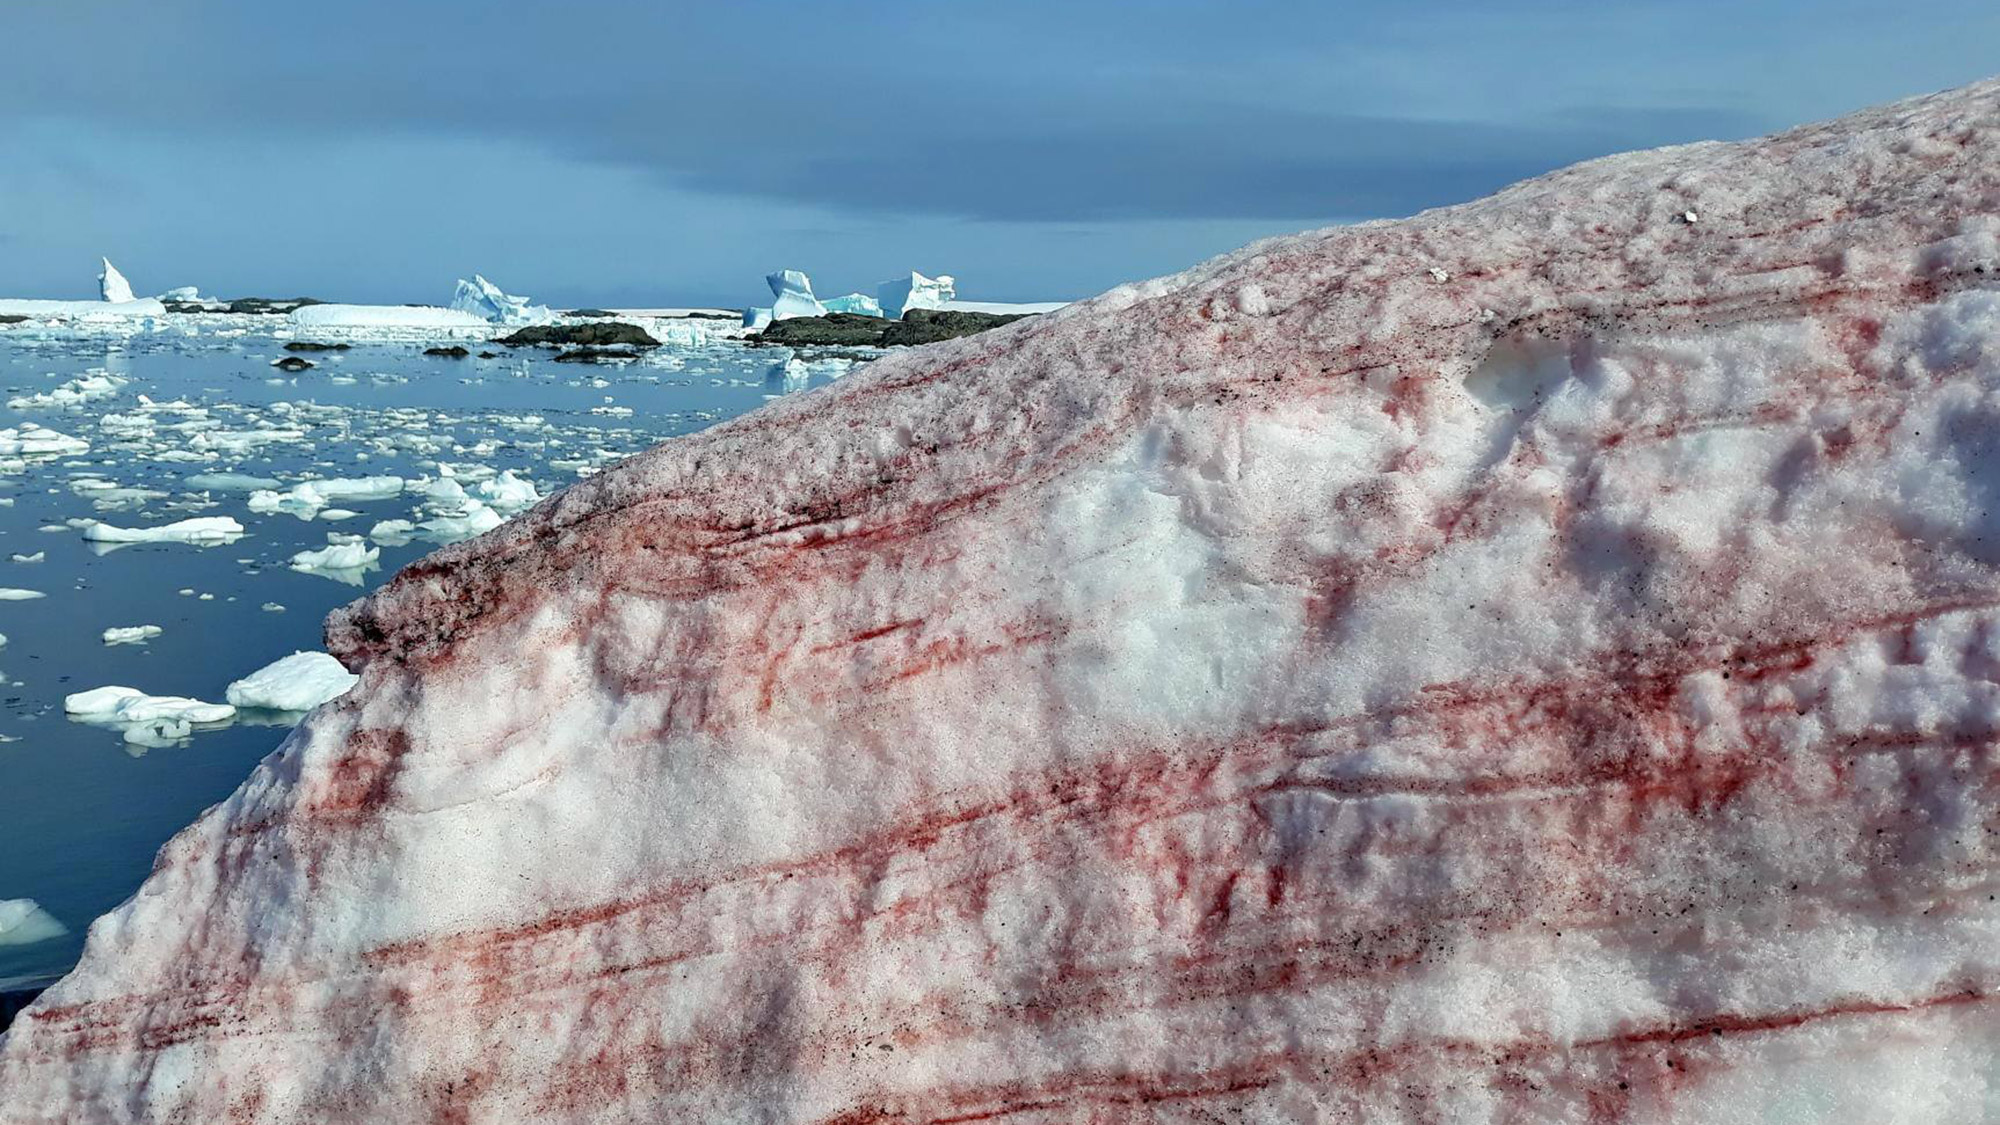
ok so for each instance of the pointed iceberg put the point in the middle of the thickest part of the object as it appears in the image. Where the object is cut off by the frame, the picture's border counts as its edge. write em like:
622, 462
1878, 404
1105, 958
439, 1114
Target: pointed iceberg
485, 300
793, 296
112, 285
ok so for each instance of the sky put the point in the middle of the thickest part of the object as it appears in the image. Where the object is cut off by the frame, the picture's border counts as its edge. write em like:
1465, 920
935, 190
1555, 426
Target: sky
648, 152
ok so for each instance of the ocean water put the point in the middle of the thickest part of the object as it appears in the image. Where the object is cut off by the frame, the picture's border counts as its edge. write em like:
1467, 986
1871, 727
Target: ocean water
83, 810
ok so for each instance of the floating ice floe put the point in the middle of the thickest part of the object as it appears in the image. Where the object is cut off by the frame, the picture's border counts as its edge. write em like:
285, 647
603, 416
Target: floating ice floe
230, 482
792, 295
131, 634
30, 440
14, 594
507, 493
341, 561
201, 530
914, 292
112, 286
144, 720
299, 682
24, 922
307, 498
84, 388
483, 299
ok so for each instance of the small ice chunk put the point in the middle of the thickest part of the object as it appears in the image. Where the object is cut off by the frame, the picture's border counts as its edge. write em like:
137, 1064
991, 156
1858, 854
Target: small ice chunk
38, 556
299, 682
24, 922
10, 594
338, 556
131, 634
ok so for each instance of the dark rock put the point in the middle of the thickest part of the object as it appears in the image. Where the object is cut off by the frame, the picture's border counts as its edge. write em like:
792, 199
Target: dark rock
453, 352
598, 314
13, 319
928, 326
919, 326
836, 329
596, 355
309, 346
489, 355
260, 306
294, 364
594, 335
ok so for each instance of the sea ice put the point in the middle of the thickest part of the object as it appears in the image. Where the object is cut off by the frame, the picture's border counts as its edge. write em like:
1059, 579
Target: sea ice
406, 317
299, 682
30, 440
14, 594
793, 296
75, 392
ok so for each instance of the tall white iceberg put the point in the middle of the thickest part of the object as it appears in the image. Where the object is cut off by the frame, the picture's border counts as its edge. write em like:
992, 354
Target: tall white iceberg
793, 296
112, 285
485, 300
914, 292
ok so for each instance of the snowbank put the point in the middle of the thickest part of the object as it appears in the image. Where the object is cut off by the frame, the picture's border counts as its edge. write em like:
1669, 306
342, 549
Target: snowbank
1534, 661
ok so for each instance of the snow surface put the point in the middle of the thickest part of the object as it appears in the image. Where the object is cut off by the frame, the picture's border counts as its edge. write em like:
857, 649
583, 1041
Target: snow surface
299, 682
483, 299
1536, 661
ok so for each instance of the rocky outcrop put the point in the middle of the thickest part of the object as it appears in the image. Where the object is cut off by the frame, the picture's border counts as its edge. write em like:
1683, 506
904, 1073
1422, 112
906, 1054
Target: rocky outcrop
918, 326
1536, 661
596, 334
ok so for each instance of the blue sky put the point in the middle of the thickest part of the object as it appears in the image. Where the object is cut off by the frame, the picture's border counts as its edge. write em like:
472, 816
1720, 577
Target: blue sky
659, 153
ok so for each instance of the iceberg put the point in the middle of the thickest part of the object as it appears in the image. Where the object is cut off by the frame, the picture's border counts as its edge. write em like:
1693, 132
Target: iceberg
112, 285
858, 303
1534, 661
914, 292
792, 296
299, 682
757, 318
483, 299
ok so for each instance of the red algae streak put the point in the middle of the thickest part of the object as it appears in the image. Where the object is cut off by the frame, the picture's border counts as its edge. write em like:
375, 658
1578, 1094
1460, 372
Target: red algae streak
1537, 661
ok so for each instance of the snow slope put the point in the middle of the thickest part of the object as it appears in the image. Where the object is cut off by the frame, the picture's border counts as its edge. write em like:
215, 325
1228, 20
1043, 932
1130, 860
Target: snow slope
1536, 661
